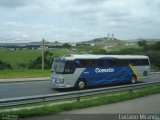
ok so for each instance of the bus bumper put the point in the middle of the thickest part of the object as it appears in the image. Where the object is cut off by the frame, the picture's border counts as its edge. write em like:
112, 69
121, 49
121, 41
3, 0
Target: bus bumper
56, 85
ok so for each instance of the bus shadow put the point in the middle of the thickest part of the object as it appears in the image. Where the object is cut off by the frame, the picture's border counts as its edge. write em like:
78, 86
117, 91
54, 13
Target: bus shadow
61, 90
110, 85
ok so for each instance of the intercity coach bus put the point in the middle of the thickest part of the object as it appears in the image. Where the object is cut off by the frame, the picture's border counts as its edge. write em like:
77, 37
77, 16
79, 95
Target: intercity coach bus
81, 71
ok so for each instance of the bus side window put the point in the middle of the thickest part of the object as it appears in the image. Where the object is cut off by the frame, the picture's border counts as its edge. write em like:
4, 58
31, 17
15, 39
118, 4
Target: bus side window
132, 62
145, 62
70, 67
114, 62
86, 63
83, 63
125, 62
102, 62
95, 63
78, 63
108, 62
121, 62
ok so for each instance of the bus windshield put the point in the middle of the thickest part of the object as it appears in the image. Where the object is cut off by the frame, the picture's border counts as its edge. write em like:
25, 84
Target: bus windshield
58, 66
63, 67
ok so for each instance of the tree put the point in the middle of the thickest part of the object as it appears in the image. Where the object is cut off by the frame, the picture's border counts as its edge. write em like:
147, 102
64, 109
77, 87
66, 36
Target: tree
154, 58
66, 45
143, 44
37, 63
132, 51
101, 51
155, 46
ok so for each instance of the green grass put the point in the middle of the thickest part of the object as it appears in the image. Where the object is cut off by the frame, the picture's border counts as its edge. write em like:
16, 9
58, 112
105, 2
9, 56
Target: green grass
18, 57
87, 49
121, 46
24, 73
101, 100
60, 52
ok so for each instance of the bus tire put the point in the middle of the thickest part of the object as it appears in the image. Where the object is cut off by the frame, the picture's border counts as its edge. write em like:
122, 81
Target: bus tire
133, 79
81, 84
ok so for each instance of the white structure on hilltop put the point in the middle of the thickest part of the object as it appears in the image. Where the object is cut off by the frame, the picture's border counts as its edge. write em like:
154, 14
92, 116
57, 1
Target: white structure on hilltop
110, 36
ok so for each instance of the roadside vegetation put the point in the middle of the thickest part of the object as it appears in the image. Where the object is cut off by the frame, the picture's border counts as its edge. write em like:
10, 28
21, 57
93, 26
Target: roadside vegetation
151, 50
26, 63
22, 59
91, 101
26, 73
30, 60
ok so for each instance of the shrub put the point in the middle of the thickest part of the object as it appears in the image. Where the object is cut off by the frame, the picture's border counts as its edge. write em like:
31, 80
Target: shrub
37, 63
4, 66
154, 58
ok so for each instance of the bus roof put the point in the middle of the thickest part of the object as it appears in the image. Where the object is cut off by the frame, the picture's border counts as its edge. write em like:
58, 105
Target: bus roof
91, 56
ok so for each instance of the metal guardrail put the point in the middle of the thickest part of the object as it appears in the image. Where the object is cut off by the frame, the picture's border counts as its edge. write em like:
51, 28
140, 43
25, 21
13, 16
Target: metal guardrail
75, 94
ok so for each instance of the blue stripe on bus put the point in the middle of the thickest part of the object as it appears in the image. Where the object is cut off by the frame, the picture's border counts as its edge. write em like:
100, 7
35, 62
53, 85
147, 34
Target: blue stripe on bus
106, 75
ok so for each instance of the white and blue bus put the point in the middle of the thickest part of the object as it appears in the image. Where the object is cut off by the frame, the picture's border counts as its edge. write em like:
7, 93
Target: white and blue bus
89, 70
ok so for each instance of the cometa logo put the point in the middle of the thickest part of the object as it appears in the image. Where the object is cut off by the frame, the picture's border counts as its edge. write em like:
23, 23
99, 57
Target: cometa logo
98, 70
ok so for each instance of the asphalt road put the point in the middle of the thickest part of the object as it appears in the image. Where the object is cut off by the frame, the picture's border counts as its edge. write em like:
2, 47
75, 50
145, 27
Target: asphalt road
20, 89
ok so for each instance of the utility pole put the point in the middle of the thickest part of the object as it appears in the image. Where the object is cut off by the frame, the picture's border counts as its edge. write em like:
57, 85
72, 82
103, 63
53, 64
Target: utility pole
43, 54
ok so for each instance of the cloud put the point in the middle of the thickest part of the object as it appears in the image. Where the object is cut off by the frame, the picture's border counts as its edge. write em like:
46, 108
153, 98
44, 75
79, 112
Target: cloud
15, 3
66, 20
14, 24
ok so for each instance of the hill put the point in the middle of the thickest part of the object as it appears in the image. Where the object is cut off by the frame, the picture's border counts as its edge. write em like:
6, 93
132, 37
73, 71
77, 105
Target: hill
104, 41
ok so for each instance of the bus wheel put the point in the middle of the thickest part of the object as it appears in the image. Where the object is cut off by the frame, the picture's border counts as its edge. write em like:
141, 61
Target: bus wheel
133, 79
81, 84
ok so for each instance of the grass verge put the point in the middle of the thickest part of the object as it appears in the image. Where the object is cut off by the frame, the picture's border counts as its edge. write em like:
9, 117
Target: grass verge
24, 73
19, 59
98, 100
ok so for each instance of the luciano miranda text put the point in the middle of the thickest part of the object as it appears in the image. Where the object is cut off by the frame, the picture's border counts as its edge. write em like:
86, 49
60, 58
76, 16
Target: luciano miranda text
139, 116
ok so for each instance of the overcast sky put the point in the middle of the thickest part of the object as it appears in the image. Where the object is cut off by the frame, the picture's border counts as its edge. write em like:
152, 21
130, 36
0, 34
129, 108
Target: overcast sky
78, 20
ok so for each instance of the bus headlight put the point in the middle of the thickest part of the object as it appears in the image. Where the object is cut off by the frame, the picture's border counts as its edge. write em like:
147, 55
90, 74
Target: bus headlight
60, 81
53, 79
